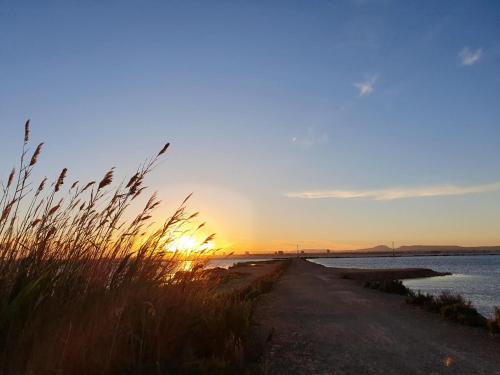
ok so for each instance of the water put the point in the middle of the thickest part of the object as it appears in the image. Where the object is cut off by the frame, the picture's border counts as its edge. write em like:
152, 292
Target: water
228, 262
476, 277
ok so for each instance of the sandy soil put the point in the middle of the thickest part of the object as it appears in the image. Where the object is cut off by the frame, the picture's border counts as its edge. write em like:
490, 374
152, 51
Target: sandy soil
316, 322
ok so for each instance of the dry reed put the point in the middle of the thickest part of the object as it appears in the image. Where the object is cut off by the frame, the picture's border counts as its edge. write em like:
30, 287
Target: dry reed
86, 287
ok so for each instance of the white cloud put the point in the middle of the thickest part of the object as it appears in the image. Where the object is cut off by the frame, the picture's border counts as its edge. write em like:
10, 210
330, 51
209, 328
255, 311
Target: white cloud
312, 137
399, 193
468, 57
366, 87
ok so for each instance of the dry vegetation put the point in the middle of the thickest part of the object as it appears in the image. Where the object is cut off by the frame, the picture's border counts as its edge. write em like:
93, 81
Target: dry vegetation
86, 286
450, 306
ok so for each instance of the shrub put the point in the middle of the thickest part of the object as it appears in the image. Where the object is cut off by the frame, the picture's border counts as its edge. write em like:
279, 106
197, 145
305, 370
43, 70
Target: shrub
394, 286
494, 324
463, 313
450, 306
419, 299
447, 298
388, 286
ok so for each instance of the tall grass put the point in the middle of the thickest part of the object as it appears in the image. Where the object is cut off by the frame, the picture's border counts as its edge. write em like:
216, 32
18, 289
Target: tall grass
87, 287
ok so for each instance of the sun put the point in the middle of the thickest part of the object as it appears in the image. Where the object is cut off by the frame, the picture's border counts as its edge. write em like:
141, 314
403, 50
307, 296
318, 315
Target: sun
189, 244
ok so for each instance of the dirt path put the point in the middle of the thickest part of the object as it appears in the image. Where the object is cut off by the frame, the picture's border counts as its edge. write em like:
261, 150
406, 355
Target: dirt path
317, 323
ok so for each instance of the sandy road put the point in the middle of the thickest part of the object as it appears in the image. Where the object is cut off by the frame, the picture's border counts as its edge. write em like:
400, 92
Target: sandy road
317, 323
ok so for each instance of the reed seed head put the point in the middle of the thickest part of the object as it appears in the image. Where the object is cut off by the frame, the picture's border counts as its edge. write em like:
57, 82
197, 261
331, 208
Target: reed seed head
108, 178
27, 131
164, 149
42, 184
53, 209
60, 180
11, 177
36, 154
88, 185
6, 211
132, 180
35, 222
187, 198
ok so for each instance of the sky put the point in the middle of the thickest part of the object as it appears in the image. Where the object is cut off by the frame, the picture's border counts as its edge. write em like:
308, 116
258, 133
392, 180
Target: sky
322, 124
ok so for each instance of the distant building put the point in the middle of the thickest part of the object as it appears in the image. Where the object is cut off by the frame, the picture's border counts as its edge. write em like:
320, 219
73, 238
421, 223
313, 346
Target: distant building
279, 252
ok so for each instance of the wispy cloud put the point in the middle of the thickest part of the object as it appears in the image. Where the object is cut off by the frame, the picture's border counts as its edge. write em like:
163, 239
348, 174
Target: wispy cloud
398, 192
367, 87
311, 138
469, 57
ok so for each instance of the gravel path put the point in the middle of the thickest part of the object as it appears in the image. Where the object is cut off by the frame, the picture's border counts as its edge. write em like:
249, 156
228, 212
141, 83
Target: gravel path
315, 322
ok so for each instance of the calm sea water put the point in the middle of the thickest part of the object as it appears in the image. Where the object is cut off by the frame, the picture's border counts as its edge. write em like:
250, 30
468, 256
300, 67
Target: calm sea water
476, 277
226, 263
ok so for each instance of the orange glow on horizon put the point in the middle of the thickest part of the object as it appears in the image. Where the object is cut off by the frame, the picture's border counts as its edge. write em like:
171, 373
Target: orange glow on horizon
189, 244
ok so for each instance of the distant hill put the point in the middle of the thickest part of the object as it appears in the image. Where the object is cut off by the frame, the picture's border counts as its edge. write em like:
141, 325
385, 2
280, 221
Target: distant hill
445, 248
426, 249
378, 249
413, 249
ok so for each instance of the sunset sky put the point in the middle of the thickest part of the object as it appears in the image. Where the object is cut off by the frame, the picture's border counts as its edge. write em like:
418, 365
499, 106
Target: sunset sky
333, 125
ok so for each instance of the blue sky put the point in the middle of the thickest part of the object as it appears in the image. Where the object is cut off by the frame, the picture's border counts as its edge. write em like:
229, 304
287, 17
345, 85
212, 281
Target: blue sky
268, 102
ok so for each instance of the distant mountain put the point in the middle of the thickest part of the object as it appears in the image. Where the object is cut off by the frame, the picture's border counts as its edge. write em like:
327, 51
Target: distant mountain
379, 249
418, 249
445, 248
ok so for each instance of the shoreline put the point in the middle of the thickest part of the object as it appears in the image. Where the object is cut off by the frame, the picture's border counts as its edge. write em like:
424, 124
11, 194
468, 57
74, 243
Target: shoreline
374, 274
